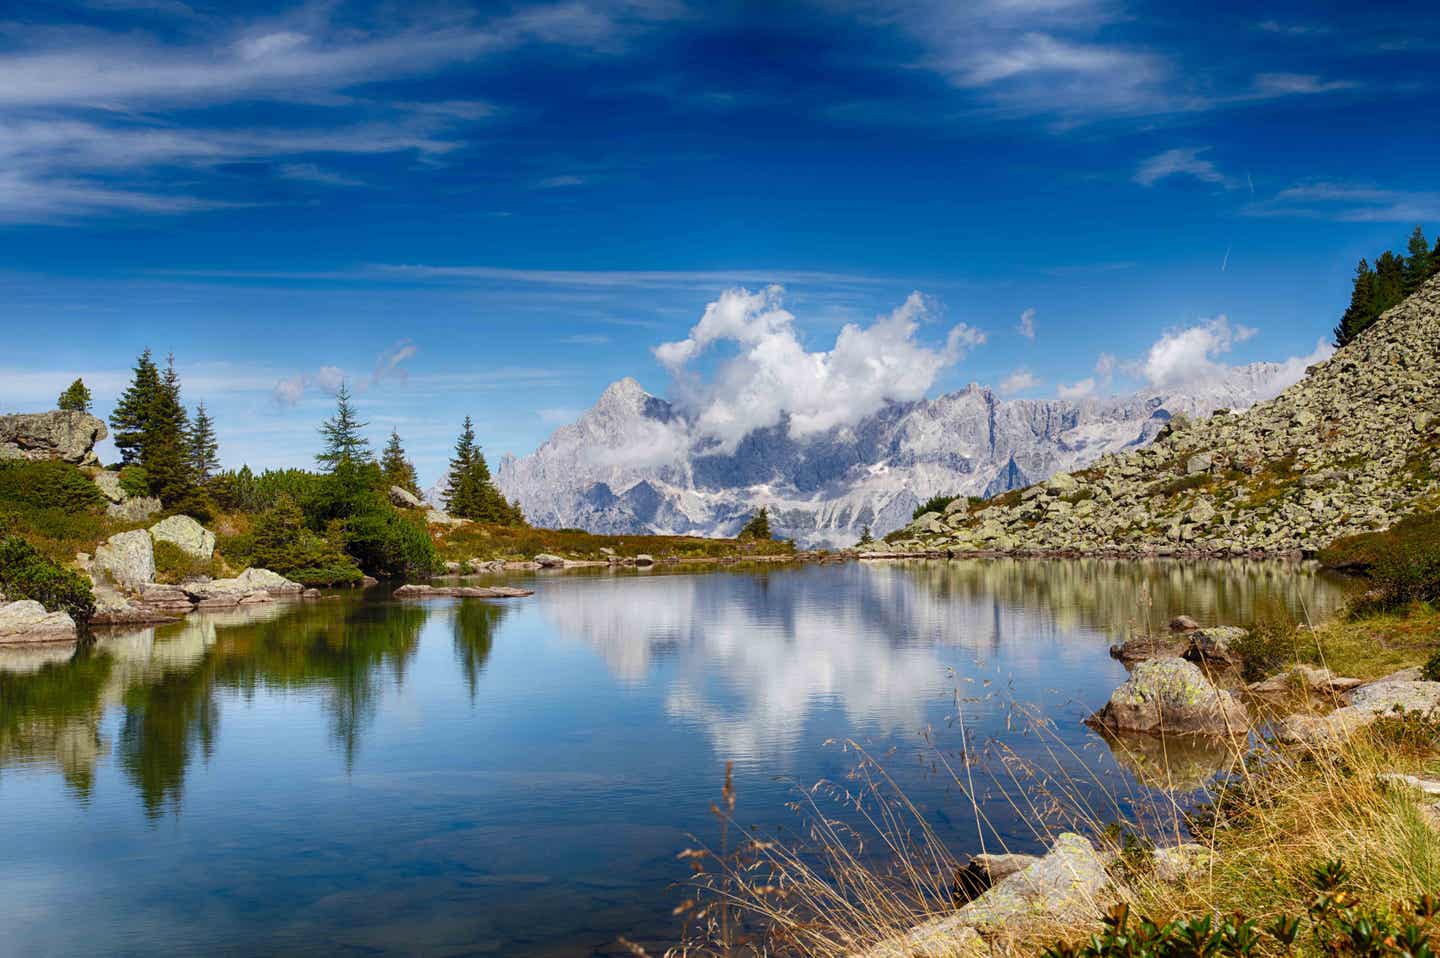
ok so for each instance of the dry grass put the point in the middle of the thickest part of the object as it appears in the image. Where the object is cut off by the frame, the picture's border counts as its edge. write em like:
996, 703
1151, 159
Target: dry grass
488, 542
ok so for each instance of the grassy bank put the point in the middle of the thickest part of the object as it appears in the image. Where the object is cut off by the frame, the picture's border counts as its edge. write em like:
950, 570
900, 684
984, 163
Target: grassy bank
514, 543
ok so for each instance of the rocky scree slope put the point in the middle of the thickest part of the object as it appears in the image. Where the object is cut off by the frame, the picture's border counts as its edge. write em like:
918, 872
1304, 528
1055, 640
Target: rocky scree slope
635, 463
1353, 447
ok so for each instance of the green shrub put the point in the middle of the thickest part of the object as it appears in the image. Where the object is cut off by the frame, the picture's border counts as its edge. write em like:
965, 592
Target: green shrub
390, 545
281, 542
933, 504
135, 481
47, 484
1403, 561
27, 574
173, 564
1271, 645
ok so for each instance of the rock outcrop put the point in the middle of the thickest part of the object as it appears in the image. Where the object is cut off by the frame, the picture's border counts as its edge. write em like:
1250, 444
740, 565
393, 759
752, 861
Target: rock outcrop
248, 586
1171, 696
1397, 694
27, 621
1351, 448
405, 499
134, 509
126, 560
67, 436
185, 533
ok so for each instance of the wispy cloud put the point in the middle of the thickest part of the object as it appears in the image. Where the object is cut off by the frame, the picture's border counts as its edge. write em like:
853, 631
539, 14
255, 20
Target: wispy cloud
1184, 162
584, 339
1026, 327
559, 182
1349, 203
1019, 381
604, 277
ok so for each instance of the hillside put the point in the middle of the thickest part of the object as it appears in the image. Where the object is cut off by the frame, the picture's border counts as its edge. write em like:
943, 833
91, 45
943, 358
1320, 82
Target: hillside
1352, 447
634, 463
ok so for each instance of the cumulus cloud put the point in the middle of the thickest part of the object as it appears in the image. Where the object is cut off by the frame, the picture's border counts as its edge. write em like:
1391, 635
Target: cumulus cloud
1018, 381
1077, 390
773, 377
1027, 324
1187, 355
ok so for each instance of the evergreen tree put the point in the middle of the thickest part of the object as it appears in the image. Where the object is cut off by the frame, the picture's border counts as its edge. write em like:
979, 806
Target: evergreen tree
1419, 265
1357, 315
1389, 286
76, 398
164, 444
132, 413
759, 525
1435, 258
469, 491
344, 444
204, 448
396, 468
865, 537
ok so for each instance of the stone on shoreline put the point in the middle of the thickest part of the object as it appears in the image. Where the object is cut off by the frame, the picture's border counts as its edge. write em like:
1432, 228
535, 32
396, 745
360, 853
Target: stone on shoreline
547, 561
125, 560
1305, 678
1171, 696
1183, 623
1399, 693
189, 536
26, 620
1216, 645
1145, 647
461, 592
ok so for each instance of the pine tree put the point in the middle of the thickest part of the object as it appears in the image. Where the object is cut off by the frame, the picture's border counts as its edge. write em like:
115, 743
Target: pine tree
1419, 265
759, 525
1357, 315
865, 537
469, 491
164, 444
344, 444
132, 412
76, 398
1435, 258
396, 468
204, 448
1389, 286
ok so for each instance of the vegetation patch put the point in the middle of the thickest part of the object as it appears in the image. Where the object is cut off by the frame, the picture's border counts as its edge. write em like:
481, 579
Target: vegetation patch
25, 573
1403, 561
515, 543
933, 504
173, 564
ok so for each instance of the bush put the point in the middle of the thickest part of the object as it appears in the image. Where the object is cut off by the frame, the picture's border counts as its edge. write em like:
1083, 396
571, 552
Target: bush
135, 481
1270, 646
281, 542
389, 545
933, 504
26, 574
1403, 561
47, 484
173, 564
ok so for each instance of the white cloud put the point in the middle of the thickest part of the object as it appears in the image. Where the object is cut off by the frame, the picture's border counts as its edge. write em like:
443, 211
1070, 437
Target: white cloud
1027, 324
289, 390
559, 182
1183, 356
1184, 161
1349, 203
774, 376
388, 366
1077, 390
1018, 381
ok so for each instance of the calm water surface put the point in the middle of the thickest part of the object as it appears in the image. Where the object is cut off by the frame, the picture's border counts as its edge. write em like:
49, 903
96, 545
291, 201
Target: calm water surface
361, 776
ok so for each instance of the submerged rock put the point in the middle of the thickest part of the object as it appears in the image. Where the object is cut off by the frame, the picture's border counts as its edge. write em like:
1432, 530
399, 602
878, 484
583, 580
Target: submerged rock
1171, 696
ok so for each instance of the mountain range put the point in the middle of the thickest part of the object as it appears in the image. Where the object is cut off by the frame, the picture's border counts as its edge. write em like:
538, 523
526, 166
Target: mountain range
635, 462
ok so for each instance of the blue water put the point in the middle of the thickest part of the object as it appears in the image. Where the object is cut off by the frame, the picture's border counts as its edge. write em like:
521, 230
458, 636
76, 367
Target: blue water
363, 776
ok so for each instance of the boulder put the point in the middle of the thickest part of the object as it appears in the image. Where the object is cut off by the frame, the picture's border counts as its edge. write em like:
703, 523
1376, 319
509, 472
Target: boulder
437, 518
644, 560
109, 485
1062, 483
1171, 696
63, 435
218, 593
189, 536
982, 871
547, 561
1181, 863
1425, 786
1401, 692
1145, 647
460, 592
405, 499
1183, 623
1216, 645
1068, 886
1198, 463
27, 621
125, 560
136, 509
1304, 678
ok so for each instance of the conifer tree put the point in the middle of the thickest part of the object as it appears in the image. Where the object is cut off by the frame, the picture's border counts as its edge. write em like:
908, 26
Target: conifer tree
76, 398
759, 525
1389, 286
204, 448
132, 413
1357, 315
469, 491
865, 537
396, 468
344, 443
1419, 266
164, 444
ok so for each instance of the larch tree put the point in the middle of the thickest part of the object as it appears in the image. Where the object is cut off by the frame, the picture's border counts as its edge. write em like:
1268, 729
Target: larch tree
76, 397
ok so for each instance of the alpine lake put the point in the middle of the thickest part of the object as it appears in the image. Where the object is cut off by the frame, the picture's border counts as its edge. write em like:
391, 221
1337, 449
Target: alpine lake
362, 775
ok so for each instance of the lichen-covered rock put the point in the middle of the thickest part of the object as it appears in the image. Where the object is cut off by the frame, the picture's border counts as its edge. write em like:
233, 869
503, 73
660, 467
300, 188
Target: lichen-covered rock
134, 509
109, 485
1171, 696
65, 435
405, 499
1218, 645
1181, 863
185, 533
233, 591
547, 561
1400, 693
1145, 647
126, 560
27, 621
1304, 678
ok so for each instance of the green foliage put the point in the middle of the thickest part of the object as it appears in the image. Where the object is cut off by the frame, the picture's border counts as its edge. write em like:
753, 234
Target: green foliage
933, 504
1403, 561
1272, 643
1393, 278
344, 443
865, 537
174, 564
1336, 922
44, 484
132, 411
75, 398
282, 542
203, 447
396, 469
469, 491
1431, 670
243, 491
27, 574
164, 443
135, 480
759, 525
390, 545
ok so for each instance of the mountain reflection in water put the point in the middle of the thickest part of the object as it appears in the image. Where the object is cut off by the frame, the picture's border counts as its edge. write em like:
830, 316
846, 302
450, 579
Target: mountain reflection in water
363, 774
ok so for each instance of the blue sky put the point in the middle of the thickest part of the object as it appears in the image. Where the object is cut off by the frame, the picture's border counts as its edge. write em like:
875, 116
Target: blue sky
497, 209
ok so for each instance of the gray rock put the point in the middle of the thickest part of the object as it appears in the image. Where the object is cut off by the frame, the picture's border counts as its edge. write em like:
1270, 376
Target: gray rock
1198, 463
1304, 678
135, 509
460, 592
126, 560
1392, 694
109, 485
1183, 623
437, 518
1171, 696
1145, 647
1425, 786
644, 560
1218, 644
184, 532
27, 621
67, 436
222, 592
1181, 863
547, 561
405, 499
